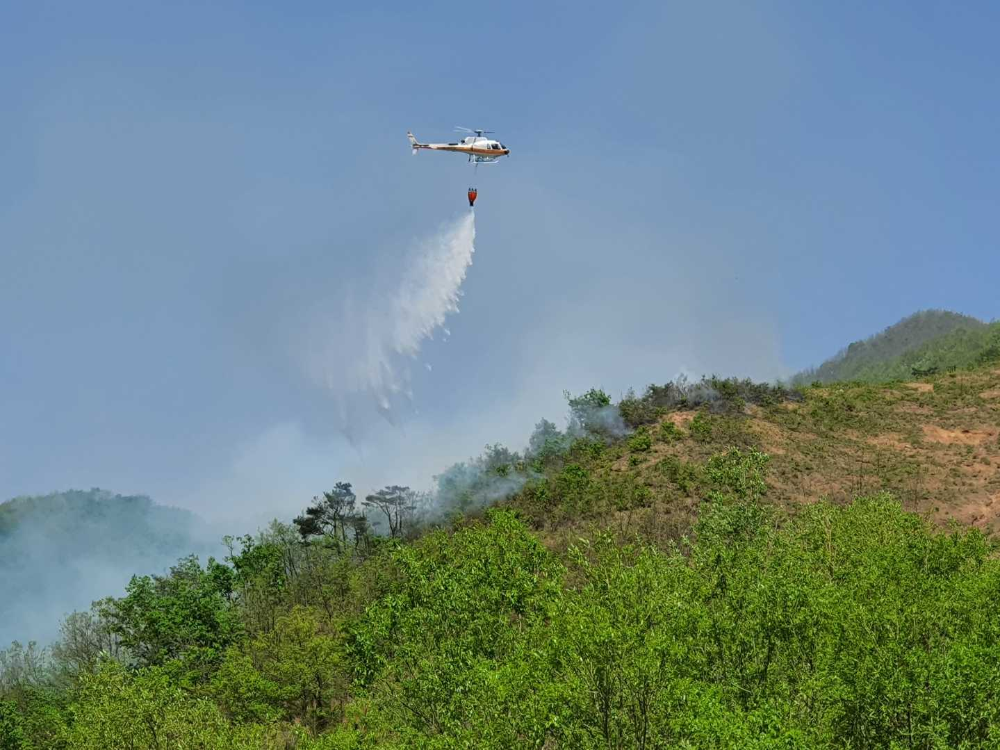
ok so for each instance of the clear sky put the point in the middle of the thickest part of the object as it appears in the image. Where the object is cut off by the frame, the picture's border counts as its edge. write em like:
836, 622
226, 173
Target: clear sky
739, 188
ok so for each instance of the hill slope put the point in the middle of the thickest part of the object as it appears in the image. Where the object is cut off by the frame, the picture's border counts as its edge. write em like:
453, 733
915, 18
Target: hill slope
890, 354
62, 551
934, 444
717, 564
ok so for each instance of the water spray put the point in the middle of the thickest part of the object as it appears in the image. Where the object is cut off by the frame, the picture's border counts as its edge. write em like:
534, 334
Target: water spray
365, 343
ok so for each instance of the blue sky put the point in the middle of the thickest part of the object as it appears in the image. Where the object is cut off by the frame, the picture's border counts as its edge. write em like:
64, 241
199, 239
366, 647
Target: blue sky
700, 187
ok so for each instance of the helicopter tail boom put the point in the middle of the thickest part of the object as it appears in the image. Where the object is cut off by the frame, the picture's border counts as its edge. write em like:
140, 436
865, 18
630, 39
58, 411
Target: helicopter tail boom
414, 144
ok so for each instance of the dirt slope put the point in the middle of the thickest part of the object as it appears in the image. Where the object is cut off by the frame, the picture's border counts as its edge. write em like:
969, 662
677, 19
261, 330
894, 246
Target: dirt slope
935, 444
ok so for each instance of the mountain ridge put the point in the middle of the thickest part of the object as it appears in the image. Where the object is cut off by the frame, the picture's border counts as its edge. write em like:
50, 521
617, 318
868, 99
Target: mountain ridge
881, 355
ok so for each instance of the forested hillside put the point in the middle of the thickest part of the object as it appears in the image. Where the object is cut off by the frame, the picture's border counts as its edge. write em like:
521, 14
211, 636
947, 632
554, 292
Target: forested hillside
921, 344
711, 564
59, 552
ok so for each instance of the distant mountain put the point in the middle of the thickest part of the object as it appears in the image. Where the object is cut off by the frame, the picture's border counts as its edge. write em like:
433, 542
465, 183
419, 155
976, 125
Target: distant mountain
923, 343
59, 552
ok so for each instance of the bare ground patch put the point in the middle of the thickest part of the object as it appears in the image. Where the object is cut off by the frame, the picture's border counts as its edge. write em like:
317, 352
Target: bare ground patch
983, 513
892, 441
955, 437
681, 418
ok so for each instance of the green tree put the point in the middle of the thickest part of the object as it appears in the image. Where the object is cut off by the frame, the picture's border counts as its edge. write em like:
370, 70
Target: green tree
116, 709
12, 735
617, 648
86, 638
546, 442
329, 515
396, 504
448, 652
186, 614
592, 413
295, 671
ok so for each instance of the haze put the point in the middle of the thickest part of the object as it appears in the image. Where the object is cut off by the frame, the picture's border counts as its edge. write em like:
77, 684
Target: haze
692, 188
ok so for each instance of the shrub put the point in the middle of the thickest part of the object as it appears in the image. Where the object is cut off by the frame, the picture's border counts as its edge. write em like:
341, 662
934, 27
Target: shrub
701, 428
640, 442
637, 411
670, 432
685, 476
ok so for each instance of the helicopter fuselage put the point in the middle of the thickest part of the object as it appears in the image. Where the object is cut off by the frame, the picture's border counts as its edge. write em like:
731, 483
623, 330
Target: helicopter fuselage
472, 146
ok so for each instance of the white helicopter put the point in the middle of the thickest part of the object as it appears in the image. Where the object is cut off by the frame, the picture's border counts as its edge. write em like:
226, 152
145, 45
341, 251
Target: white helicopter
477, 147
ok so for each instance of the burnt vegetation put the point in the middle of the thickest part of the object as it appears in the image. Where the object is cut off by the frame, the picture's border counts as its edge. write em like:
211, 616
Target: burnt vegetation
717, 395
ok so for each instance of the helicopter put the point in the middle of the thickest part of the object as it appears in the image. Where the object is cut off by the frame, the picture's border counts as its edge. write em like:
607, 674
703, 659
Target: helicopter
477, 147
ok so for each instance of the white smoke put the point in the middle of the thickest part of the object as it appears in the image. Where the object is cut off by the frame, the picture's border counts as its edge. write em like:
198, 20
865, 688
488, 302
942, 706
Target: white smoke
363, 343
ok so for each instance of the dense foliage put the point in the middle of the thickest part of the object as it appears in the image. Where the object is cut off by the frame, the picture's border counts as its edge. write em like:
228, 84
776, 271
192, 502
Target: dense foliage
922, 344
959, 350
858, 626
